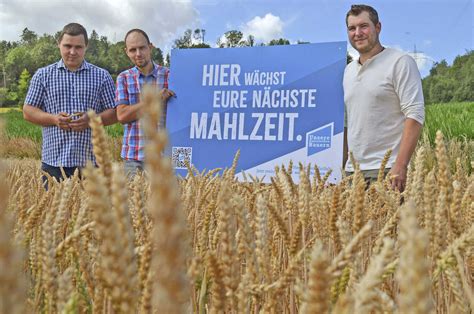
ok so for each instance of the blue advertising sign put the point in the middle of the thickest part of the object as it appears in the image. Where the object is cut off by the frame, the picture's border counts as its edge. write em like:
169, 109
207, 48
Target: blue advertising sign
274, 104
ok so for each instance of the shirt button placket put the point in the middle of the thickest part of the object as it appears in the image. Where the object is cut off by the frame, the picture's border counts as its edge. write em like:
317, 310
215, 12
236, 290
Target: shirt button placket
73, 110
360, 68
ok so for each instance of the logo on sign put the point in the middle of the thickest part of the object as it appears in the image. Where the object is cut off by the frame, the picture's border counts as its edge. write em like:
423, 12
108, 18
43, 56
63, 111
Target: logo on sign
319, 139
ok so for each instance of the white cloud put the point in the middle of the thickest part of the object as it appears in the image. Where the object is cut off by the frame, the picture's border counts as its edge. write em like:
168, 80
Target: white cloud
221, 40
161, 19
264, 28
423, 61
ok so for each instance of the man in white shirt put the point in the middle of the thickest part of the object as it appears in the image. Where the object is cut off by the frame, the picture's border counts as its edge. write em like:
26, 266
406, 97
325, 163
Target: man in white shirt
384, 101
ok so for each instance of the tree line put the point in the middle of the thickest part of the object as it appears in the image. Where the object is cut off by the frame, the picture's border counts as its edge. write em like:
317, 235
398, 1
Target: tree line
20, 59
451, 83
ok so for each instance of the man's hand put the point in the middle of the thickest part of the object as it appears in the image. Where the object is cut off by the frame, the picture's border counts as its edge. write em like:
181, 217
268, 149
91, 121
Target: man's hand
398, 177
411, 133
79, 124
62, 121
166, 94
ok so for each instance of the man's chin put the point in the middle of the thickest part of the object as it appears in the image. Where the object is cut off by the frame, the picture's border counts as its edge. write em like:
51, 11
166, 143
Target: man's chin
362, 49
358, 46
141, 64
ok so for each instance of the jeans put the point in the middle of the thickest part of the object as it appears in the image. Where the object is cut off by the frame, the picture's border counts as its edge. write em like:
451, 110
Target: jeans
55, 172
370, 176
132, 167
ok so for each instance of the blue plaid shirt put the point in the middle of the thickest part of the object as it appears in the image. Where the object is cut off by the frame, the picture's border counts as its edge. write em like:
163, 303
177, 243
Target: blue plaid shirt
55, 89
129, 84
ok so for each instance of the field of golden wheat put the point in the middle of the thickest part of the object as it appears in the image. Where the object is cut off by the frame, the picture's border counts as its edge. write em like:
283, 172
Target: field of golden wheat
209, 244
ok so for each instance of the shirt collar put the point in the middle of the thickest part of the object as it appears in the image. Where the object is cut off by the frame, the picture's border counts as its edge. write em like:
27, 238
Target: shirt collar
372, 58
153, 73
84, 66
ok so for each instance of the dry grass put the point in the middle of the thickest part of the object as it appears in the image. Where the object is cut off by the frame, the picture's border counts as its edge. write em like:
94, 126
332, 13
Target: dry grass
24, 147
208, 243
20, 147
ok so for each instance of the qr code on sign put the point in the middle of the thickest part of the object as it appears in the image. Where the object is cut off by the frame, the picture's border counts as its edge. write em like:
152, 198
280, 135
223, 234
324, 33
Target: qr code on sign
181, 156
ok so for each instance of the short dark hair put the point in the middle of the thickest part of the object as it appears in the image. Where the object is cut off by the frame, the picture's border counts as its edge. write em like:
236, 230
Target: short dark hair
74, 29
137, 30
357, 9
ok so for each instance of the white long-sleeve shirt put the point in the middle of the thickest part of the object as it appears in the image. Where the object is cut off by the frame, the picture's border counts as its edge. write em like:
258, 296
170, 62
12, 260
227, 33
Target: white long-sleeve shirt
379, 95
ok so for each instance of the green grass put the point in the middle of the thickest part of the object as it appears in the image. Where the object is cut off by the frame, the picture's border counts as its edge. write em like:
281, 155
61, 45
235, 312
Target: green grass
17, 127
455, 120
115, 130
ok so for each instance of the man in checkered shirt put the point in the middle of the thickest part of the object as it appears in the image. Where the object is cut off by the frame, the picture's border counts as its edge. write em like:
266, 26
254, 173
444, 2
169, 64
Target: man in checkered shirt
129, 84
58, 99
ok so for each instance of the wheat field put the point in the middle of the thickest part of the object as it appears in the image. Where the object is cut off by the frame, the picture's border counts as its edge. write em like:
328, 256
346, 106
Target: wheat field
209, 244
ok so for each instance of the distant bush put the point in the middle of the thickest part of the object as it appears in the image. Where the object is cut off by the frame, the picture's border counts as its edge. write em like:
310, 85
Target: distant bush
451, 83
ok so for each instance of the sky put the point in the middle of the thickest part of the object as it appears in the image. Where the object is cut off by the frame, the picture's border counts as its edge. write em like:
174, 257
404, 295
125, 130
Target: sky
430, 30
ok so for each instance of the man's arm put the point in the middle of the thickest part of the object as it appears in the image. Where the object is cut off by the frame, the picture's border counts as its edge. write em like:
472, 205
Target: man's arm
344, 150
411, 134
108, 116
37, 116
410, 92
130, 113
34, 114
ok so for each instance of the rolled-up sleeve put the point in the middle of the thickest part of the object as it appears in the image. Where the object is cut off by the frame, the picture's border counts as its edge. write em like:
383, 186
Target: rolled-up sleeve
121, 92
408, 86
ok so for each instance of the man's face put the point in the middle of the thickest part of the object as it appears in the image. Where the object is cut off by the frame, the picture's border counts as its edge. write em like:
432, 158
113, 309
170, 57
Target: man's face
362, 33
73, 49
138, 49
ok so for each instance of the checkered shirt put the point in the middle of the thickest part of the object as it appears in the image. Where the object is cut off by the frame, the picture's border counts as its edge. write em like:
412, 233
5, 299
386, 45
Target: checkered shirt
129, 84
55, 89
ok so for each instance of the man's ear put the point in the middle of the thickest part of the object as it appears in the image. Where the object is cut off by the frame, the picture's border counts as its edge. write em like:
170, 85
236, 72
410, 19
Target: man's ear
378, 27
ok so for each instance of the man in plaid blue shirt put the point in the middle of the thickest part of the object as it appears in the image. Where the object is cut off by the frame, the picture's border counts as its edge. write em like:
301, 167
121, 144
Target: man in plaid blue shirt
129, 84
58, 99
